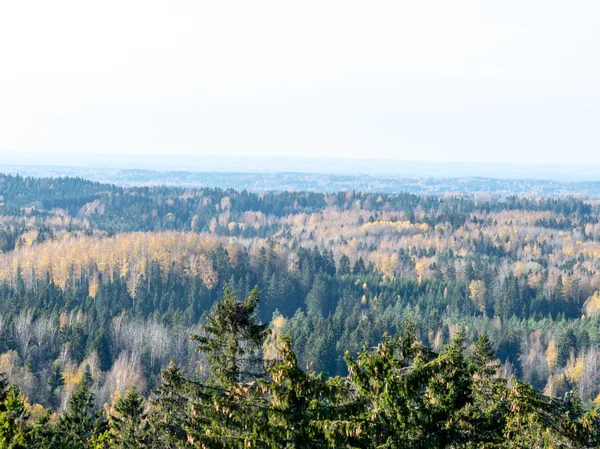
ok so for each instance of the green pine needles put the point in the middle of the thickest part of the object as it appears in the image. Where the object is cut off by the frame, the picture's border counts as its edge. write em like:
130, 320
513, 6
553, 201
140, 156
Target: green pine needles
397, 395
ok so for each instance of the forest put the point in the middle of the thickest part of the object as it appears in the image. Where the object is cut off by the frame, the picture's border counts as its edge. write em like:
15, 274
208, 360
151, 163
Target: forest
403, 177
179, 317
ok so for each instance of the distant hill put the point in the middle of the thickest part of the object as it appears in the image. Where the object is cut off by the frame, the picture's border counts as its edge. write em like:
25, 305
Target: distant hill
316, 182
338, 166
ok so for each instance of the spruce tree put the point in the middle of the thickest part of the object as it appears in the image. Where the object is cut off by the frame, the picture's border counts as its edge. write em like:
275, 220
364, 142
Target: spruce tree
293, 403
128, 426
482, 418
4, 388
448, 390
15, 432
233, 339
78, 422
170, 414
55, 381
390, 380
224, 410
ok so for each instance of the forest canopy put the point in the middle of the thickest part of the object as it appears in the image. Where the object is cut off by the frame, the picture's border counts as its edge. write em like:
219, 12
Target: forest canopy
101, 287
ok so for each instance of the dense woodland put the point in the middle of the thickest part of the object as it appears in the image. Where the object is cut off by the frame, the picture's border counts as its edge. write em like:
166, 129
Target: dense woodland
388, 301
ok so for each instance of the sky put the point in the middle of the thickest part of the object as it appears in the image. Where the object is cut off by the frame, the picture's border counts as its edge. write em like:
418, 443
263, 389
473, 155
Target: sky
478, 81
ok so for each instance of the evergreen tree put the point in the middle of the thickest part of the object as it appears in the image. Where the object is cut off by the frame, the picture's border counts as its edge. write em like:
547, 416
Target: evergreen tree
448, 391
390, 381
359, 266
56, 380
4, 389
44, 433
101, 344
233, 339
295, 404
344, 265
128, 425
223, 412
15, 432
78, 423
316, 300
483, 360
170, 413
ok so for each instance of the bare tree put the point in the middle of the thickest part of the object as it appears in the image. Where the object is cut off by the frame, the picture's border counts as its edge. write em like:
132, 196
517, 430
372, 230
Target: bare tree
23, 331
125, 373
158, 343
590, 374
45, 331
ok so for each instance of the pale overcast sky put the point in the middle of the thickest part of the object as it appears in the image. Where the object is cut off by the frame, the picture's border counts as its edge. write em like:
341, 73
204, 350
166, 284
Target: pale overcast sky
511, 81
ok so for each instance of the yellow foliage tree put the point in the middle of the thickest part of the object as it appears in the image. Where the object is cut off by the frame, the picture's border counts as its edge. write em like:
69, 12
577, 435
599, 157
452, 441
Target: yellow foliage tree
477, 293
557, 385
552, 354
93, 288
270, 349
591, 307
574, 368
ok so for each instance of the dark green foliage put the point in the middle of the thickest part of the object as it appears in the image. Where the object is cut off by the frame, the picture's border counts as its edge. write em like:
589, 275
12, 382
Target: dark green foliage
398, 395
101, 344
15, 431
170, 410
302, 410
4, 389
43, 433
317, 298
79, 424
128, 425
233, 339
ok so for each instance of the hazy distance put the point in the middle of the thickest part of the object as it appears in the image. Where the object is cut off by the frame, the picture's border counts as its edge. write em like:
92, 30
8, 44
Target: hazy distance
484, 82
82, 164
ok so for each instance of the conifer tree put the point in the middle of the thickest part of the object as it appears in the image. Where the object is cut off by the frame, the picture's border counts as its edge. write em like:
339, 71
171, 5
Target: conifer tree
448, 390
128, 425
170, 414
481, 418
223, 411
233, 339
483, 360
78, 423
43, 432
4, 388
390, 380
15, 432
293, 403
